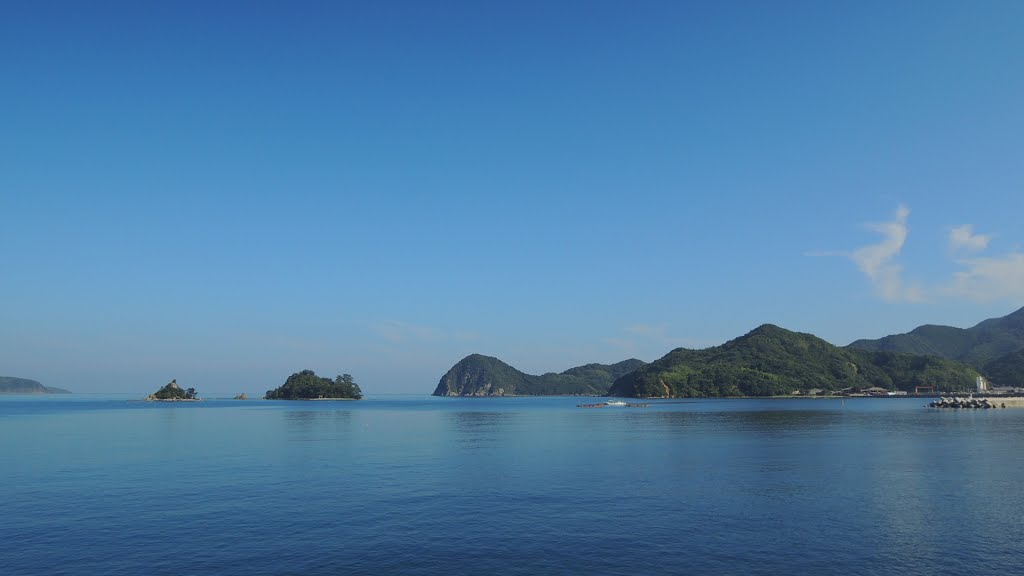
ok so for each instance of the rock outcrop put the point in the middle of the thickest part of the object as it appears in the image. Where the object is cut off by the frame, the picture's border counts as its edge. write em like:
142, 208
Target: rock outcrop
172, 391
971, 402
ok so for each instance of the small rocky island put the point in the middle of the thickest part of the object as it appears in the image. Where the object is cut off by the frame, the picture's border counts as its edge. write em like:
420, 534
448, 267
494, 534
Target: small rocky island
306, 385
173, 393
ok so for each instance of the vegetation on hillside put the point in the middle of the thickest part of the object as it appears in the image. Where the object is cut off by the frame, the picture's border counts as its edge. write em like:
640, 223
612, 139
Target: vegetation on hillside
772, 361
307, 385
1006, 370
993, 347
478, 375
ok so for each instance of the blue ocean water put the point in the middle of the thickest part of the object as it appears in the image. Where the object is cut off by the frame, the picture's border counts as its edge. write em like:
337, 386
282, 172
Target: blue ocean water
420, 485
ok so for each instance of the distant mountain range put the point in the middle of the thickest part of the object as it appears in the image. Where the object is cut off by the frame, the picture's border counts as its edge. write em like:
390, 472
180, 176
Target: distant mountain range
479, 375
12, 385
994, 347
771, 360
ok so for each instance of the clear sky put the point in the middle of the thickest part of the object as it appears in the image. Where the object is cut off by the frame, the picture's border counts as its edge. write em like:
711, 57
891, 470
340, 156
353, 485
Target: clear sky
226, 193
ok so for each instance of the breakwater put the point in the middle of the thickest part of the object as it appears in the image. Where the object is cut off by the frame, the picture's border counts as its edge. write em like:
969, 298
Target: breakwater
983, 403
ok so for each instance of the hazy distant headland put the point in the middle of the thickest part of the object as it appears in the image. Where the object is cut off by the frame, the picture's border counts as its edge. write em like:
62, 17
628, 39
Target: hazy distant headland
479, 375
773, 361
12, 385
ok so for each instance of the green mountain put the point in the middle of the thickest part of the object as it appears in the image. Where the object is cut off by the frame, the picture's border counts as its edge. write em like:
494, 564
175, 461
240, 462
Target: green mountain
771, 361
478, 375
12, 385
1006, 370
994, 343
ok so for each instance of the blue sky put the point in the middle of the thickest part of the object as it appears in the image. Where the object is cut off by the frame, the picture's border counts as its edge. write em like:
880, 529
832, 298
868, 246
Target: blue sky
225, 193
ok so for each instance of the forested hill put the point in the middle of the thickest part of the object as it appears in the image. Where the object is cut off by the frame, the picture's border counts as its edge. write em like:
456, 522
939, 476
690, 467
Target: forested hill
977, 346
993, 347
12, 385
771, 361
479, 375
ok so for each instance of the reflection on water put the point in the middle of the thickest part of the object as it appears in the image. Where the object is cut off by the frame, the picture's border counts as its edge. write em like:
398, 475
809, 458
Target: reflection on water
514, 487
317, 425
780, 422
477, 430
771, 422
306, 418
476, 420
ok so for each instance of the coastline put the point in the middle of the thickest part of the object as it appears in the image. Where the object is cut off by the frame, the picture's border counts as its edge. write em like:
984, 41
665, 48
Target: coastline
318, 399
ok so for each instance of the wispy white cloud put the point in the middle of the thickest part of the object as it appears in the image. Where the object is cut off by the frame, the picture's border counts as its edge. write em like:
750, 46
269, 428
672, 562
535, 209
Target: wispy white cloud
879, 261
979, 278
988, 279
963, 238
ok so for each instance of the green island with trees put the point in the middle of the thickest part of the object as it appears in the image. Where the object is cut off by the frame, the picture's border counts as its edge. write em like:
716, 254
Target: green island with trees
306, 385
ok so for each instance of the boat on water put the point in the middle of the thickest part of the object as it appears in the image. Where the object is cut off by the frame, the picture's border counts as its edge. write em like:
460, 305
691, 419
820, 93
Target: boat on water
613, 404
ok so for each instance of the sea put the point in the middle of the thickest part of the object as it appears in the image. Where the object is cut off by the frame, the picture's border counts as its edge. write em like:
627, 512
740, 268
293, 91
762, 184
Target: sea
109, 485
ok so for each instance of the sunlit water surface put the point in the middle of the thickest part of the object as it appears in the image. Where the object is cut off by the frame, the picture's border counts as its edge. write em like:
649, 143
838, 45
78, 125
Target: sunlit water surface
419, 485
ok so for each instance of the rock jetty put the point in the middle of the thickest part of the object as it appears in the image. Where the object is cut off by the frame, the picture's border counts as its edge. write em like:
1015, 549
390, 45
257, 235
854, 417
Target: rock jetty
969, 402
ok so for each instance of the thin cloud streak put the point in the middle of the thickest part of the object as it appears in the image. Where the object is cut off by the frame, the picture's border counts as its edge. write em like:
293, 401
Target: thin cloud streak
963, 238
982, 279
989, 279
878, 261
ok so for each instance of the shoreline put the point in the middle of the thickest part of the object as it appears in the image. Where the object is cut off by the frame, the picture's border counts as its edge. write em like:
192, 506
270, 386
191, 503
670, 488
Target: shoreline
318, 399
783, 397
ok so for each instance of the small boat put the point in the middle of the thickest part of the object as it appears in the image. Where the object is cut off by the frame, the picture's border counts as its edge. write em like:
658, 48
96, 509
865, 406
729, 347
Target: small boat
614, 404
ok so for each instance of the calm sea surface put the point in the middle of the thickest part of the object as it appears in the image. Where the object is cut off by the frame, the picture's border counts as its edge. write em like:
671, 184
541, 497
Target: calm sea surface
416, 485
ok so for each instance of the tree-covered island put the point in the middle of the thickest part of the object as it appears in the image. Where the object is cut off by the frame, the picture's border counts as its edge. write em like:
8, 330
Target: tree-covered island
306, 385
172, 391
